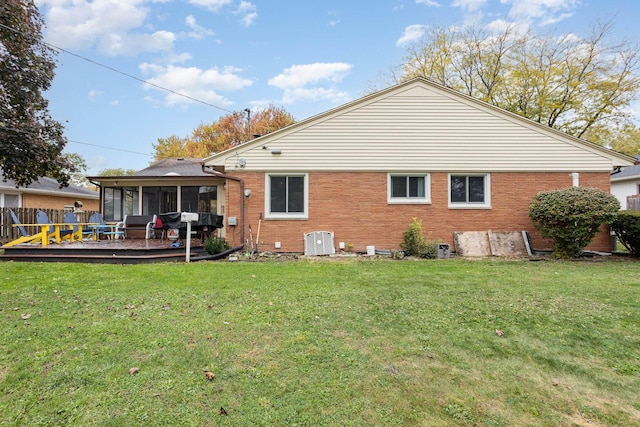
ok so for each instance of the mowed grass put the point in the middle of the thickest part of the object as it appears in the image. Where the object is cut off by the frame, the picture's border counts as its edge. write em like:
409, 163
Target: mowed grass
340, 343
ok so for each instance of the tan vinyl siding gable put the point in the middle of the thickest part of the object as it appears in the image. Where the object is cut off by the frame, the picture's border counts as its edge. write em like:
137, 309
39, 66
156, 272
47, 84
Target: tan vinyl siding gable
416, 127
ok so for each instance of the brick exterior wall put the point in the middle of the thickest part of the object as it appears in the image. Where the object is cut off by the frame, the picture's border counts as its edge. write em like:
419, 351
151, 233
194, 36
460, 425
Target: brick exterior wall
354, 206
42, 201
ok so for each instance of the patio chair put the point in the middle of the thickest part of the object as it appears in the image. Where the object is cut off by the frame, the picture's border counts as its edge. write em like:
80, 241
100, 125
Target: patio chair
100, 227
16, 221
43, 218
158, 226
24, 236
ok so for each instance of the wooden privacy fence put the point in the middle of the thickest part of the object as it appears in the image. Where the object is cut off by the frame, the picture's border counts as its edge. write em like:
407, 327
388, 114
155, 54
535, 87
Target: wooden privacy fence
28, 216
633, 202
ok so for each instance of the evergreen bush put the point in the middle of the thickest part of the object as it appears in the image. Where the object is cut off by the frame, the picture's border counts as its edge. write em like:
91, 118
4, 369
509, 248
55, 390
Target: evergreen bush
215, 245
572, 217
627, 229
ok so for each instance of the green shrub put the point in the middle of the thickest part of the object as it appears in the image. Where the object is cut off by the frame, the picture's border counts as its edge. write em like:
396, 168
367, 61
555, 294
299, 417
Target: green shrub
627, 229
415, 244
572, 217
215, 245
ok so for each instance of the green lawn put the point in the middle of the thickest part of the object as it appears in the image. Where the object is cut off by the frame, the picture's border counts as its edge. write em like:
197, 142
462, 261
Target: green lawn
341, 343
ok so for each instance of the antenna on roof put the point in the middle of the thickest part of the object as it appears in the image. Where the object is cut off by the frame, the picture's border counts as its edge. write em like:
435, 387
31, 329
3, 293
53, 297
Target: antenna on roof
246, 110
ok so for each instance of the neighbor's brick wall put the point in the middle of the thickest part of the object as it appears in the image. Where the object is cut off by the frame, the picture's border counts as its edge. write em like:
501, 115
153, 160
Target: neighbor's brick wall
53, 202
354, 207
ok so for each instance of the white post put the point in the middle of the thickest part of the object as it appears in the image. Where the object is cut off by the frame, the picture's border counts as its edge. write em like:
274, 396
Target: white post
188, 258
188, 217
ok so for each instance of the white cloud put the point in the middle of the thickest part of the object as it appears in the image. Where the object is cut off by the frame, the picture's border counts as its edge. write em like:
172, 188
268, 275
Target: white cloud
248, 12
93, 94
334, 19
545, 11
112, 25
469, 5
133, 44
411, 34
312, 82
196, 83
291, 96
197, 31
214, 5
301, 75
431, 3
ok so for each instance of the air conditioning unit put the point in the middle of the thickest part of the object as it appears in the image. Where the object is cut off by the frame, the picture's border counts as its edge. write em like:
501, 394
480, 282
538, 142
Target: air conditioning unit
319, 243
444, 251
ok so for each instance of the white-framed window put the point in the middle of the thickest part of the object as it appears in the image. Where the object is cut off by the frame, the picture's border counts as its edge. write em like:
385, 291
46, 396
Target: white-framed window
470, 191
10, 200
286, 196
405, 188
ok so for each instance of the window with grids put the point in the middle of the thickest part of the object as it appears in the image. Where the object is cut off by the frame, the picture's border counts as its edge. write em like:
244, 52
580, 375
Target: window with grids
286, 195
469, 190
405, 188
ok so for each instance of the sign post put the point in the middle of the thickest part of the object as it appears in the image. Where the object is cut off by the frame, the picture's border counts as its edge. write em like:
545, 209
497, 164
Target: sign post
188, 217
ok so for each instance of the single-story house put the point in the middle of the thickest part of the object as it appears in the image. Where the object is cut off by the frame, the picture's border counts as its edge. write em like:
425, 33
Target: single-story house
626, 183
45, 193
364, 170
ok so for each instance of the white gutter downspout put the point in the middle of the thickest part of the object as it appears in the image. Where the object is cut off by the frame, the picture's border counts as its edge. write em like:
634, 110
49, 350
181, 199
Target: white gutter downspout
575, 177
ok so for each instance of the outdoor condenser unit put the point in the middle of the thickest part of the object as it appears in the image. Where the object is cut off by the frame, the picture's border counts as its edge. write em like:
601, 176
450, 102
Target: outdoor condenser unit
444, 251
319, 243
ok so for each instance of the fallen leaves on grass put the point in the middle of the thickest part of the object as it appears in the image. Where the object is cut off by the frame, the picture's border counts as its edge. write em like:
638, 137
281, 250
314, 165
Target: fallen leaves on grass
25, 316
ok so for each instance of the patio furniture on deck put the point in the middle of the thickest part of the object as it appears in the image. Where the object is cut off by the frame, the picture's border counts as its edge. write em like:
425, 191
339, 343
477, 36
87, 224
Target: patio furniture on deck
42, 218
137, 225
100, 228
24, 236
207, 223
16, 222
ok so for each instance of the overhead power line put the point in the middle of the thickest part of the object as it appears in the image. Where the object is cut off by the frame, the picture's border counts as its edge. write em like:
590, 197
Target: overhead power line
108, 67
110, 148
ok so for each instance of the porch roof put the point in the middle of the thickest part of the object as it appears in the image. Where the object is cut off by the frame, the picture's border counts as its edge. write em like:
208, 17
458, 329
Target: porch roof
165, 169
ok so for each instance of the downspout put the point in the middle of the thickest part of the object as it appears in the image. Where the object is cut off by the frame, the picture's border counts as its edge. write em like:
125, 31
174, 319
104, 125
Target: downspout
241, 182
100, 193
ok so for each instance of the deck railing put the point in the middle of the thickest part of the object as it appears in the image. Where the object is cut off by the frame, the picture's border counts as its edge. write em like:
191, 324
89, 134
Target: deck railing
28, 216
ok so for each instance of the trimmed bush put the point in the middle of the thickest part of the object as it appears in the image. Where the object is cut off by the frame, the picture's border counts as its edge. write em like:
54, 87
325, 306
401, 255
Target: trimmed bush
572, 217
627, 229
415, 244
215, 245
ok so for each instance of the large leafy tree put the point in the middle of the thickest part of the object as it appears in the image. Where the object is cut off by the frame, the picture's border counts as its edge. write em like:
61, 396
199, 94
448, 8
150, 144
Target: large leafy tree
229, 131
31, 141
581, 86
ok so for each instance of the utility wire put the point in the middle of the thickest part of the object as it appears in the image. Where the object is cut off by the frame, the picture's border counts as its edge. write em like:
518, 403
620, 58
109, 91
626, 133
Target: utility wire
28, 132
116, 71
110, 148
120, 72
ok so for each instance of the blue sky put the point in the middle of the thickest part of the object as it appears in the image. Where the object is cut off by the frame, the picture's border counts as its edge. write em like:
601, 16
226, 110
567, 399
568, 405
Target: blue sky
306, 56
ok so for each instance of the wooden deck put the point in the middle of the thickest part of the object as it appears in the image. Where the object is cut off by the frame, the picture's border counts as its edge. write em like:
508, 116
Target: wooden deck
128, 251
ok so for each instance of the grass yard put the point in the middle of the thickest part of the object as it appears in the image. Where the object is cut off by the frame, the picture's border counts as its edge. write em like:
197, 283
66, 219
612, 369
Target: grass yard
344, 343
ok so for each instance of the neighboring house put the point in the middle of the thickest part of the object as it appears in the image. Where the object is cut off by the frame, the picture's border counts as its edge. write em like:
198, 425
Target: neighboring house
45, 193
364, 170
626, 183
169, 185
